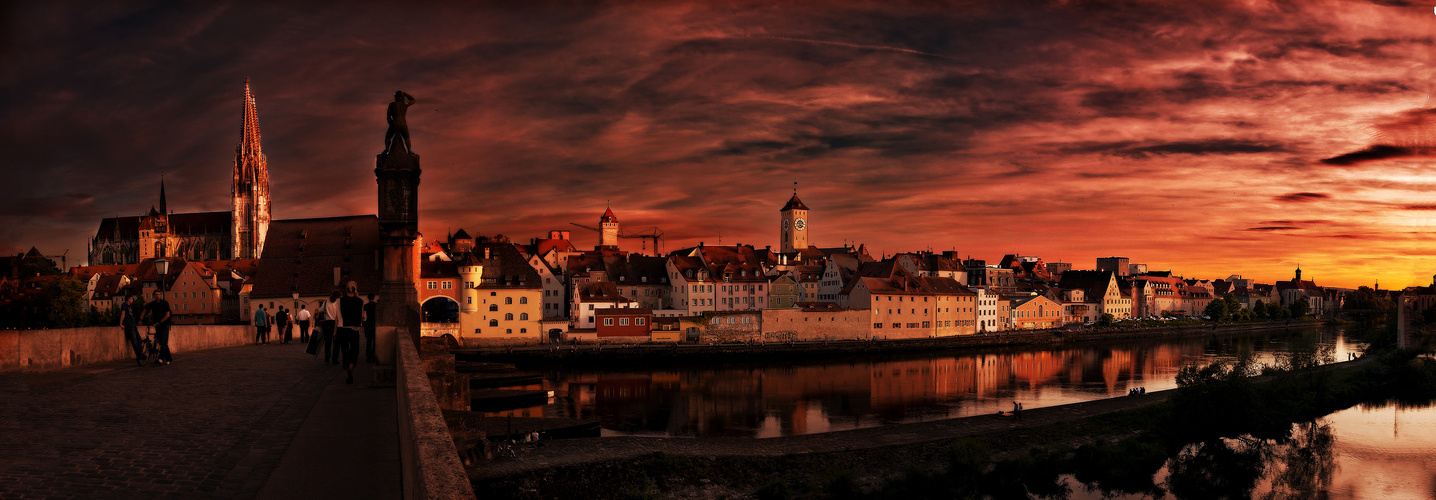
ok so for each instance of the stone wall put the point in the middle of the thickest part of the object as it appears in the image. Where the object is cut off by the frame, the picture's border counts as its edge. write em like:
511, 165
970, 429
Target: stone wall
783, 325
43, 350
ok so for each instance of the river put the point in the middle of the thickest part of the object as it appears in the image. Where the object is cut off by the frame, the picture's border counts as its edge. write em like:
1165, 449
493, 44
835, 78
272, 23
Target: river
770, 399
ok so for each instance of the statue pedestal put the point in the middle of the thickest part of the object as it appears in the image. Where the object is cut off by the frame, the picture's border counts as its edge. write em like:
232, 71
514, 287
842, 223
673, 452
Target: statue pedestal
397, 174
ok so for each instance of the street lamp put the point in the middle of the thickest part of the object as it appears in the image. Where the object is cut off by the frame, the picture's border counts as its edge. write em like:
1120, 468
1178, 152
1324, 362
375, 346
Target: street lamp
162, 266
295, 295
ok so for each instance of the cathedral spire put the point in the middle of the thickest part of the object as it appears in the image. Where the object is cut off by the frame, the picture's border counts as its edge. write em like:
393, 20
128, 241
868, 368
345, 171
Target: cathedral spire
249, 137
250, 192
162, 195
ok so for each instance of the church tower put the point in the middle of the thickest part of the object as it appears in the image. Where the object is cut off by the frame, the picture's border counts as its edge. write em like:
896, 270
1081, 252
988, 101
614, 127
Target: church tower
793, 233
608, 237
250, 190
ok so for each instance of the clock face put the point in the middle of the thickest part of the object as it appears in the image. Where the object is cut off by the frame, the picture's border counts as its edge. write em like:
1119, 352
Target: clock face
800, 224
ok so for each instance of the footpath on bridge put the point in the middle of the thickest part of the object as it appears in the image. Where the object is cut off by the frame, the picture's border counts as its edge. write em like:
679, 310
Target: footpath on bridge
264, 421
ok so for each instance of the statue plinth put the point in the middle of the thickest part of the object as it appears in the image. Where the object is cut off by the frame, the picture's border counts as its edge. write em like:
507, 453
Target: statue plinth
397, 174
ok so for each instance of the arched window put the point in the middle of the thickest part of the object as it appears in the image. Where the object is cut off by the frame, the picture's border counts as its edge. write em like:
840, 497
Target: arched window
509, 317
523, 330
508, 300
493, 307
493, 322
523, 316
523, 300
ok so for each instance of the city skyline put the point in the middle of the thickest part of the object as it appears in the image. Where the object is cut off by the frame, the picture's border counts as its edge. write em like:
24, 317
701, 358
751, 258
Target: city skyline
1208, 140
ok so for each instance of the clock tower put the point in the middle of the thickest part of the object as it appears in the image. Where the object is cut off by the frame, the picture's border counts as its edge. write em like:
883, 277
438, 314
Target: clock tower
793, 224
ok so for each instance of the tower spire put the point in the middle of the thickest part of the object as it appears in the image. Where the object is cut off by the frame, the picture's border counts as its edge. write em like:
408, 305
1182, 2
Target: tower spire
162, 195
250, 192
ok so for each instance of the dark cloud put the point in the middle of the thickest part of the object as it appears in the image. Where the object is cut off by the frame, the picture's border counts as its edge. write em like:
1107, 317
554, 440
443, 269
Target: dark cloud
1369, 154
1419, 207
1272, 228
1302, 197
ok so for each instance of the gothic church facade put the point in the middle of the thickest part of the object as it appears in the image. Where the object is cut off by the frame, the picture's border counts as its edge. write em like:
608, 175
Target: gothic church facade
237, 234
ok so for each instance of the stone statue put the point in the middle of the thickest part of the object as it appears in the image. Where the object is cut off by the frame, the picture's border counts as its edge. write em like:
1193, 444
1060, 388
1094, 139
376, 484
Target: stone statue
397, 125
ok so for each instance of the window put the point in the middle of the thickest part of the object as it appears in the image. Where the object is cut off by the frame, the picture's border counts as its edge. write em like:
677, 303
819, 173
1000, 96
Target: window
523, 300
640, 321
607, 321
493, 294
877, 325
432, 285
448, 285
493, 307
897, 325
508, 316
508, 300
927, 324
523, 330
493, 322
622, 321
510, 330
470, 300
523, 316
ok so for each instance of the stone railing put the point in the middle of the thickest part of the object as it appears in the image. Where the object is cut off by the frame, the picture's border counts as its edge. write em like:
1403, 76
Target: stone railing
43, 350
430, 462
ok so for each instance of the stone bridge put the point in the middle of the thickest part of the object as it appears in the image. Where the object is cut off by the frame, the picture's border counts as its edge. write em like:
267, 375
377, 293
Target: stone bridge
245, 421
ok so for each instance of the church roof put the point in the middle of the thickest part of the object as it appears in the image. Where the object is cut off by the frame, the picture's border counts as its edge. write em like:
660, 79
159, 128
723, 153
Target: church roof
794, 204
608, 216
191, 223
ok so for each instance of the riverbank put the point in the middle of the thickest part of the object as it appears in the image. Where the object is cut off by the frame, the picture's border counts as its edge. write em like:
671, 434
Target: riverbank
1118, 438
583, 353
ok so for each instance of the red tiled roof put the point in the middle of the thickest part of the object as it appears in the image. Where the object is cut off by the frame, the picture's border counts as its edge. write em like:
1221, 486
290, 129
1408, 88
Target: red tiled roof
794, 204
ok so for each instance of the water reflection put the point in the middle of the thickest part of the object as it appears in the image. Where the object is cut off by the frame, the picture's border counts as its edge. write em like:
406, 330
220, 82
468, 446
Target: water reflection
1367, 451
774, 399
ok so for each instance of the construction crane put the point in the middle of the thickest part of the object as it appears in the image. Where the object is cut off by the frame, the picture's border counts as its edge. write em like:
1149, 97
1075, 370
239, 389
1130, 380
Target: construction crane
645, 234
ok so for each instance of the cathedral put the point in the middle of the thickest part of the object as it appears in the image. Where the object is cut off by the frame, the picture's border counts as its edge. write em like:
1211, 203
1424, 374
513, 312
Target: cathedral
237, 234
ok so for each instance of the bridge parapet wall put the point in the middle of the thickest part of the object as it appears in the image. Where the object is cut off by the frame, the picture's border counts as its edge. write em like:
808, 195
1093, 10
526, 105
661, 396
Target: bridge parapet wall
45, 350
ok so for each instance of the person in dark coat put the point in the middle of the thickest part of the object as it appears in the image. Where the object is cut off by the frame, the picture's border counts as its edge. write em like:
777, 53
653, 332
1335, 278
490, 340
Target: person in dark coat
351, 320
131, 326
161, 317
281, 321
371, 312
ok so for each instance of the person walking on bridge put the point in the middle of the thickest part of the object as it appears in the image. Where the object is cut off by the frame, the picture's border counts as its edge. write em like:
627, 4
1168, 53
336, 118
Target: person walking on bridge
331, 318
371, 311
351, 319
281, 321
261, 322
161, 317
303, 317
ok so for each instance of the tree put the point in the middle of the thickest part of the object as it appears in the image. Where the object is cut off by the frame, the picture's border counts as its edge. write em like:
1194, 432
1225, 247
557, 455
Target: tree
1217, 310
1300, 308
1106, 319
1259, 308
64, 297
1232, 305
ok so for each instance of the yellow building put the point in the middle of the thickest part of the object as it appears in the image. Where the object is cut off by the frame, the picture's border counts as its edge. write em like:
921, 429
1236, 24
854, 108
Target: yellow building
502, 300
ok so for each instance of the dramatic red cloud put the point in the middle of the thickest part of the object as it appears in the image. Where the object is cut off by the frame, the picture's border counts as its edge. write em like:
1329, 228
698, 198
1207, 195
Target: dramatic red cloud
1209, 138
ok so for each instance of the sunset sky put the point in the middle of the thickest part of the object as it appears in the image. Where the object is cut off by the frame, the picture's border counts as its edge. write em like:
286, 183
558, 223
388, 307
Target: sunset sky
1203, 137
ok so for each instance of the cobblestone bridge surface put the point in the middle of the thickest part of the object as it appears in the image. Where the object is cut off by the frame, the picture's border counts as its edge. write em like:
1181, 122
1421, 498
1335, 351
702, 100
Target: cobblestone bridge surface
262, 421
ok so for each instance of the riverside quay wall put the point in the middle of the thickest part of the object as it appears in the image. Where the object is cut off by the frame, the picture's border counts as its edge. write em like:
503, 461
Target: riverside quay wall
43, 350
790, 350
